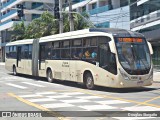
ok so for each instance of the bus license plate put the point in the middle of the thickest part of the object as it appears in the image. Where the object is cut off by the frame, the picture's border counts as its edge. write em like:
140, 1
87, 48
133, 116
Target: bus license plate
140, 83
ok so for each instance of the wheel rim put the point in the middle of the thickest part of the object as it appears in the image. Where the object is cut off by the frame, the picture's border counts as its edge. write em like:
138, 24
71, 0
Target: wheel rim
89, 82
14, 71
50, 76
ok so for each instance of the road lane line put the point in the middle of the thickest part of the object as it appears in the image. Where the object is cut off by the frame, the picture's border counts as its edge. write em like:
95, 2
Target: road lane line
145, 102
151, 99
117, 98
28, 83
54, 114
17, 86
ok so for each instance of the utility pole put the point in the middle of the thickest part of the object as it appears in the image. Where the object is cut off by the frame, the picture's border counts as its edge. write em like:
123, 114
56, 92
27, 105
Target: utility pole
71, 16
61, 17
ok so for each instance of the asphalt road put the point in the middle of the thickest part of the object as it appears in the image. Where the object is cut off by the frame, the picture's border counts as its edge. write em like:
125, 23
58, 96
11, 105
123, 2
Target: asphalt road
67, 100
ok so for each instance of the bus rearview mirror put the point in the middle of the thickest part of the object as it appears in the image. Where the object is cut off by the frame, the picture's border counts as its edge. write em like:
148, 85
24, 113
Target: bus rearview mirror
150, 48
112, 47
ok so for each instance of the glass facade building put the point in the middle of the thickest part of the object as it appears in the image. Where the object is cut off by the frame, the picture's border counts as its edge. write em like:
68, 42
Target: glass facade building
145, 18
9, 16
105, 13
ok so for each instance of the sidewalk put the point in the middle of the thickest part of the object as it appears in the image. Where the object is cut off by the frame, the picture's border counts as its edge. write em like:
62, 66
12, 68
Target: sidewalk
2, 63
156, 76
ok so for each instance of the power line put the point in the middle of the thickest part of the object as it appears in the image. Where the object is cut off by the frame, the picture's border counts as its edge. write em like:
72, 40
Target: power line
110, 14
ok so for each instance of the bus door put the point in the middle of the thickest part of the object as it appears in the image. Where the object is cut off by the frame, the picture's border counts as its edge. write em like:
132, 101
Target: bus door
42, 56
19, 55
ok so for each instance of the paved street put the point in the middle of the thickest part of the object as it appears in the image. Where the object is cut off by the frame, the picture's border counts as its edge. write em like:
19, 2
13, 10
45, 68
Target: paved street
25, 93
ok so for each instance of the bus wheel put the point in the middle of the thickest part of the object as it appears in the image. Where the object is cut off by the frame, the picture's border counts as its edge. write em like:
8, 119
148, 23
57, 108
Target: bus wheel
49, 76
14, 70
89, 82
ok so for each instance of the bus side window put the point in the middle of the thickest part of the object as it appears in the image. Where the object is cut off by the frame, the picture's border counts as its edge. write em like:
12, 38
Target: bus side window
76, 50
55, 50
48, 48
65, 50
30, 52
107, 59
90, 48
77, 43
25, 50
77, 53
42, 54
14, 52
7, 51
86, 42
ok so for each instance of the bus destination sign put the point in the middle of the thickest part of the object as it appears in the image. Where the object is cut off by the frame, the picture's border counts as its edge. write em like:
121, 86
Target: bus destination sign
131, 40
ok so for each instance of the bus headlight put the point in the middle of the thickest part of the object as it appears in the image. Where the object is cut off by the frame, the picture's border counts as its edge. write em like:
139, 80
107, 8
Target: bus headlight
124, 75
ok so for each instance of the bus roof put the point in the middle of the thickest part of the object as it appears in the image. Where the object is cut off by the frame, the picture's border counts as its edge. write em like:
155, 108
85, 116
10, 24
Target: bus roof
20, 42
73, 34
116, 32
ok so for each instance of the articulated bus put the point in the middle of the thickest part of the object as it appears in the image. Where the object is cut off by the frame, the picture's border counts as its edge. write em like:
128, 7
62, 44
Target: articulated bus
105, 57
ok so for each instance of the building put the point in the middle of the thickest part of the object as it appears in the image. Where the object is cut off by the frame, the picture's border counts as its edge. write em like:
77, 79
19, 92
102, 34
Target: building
9, 15
105, 13
145, 18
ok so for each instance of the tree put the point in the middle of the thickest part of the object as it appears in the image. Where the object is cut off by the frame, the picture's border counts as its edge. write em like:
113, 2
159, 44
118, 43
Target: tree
79, 22
18, 31
46, 25
43, 26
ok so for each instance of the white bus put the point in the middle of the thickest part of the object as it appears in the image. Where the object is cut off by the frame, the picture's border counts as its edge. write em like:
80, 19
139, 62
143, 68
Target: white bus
105, 57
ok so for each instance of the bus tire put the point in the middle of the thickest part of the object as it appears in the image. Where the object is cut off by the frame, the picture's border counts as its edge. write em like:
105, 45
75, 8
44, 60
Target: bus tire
14, 71
89, 82
49, 76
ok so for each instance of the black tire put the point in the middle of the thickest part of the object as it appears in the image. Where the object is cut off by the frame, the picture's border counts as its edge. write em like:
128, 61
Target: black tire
89, 82
14, 71
49, 76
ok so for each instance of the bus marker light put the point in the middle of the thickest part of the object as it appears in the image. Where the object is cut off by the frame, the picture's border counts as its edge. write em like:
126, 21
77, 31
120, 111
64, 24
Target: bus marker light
121, 83
96, 75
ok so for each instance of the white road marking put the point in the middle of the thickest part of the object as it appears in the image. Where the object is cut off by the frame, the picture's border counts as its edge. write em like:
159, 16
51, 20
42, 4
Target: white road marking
46, 93
73, 93
28, 96
141, 108
17, 86
97, 107
75, 101
58, 96
49, 83
57, 105
106, 102
88, 97
10, 78
28, 83
41, 100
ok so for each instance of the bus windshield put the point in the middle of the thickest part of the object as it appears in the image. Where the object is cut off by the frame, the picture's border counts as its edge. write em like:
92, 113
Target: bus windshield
133, 54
